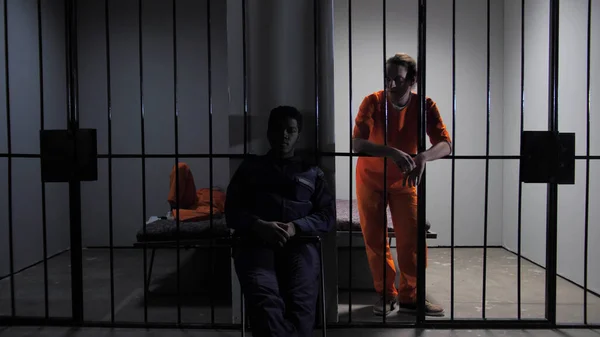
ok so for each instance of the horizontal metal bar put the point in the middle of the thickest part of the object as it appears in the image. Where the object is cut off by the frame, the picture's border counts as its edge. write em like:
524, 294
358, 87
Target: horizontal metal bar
433, 247
18, 155
241, 156
180, 155
67, 322
474, 324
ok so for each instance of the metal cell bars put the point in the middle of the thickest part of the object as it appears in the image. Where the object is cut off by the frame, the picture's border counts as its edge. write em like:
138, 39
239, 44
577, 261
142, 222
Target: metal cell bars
176, 125
385, 159
110, 188
552, 114
421, 189
552, 198
9, 163
245, 75
350, 159
487, 164
453, 180
43, 185
520, 193
143, 156
177, 155
210, 157
587, 166
76, 248
316, 42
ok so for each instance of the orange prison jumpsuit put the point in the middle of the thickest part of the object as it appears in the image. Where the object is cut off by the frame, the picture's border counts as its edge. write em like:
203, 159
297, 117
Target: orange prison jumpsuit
194, 205
402, 134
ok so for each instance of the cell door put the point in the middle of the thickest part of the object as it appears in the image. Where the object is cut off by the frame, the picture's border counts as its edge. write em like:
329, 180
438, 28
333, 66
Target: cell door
40, 199
500, 207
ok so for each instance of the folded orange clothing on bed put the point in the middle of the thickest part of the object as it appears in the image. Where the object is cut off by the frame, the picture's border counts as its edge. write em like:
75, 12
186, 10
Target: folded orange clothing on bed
203, 207
194, 205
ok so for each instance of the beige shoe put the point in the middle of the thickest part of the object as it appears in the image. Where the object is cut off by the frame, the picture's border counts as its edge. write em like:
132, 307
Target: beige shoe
431, 309
381, 309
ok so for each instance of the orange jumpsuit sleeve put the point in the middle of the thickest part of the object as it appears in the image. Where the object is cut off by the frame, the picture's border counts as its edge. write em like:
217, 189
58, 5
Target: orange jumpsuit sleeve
436, 129
363, 123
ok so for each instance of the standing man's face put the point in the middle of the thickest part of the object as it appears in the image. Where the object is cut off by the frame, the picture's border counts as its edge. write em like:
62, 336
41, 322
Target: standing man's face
397, 82
283, 137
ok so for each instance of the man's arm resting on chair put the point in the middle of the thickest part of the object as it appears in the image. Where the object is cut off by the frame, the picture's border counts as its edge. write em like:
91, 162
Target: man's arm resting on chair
322, 219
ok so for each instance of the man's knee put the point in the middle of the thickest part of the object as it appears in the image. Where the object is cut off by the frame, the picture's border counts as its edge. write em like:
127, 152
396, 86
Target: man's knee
262, 297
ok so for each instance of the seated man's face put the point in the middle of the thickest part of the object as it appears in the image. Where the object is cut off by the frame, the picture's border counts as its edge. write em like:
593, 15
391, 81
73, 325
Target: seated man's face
284, 136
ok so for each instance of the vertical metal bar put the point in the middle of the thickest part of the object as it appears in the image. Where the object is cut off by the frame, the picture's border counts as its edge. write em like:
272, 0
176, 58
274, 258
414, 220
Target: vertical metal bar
552, 202
245, 74
453, 184
351, 161
67, 63
316, 60
210, 156
143, 145
176, 123
74, 185
72, 81
422, 125
520, 197
587, 166
43, 185
9, 170
487, 166
385, 224
316, 41
110, 190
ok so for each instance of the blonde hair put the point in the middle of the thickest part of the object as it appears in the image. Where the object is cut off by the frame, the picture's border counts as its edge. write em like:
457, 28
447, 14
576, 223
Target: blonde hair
403, 59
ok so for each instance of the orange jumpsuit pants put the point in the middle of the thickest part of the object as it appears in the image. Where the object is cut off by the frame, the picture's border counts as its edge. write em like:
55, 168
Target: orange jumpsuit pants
401, 134
403, 208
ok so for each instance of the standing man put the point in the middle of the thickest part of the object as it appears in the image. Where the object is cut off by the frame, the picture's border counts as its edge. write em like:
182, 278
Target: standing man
403, 175
271, 199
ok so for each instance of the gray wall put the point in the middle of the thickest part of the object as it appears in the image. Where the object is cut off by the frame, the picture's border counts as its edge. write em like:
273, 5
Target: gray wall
572, 118
367, 72
25, 109
159, 110
280, 65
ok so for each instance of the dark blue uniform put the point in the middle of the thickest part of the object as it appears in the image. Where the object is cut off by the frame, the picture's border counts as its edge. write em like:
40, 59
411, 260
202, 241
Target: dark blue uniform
280, 285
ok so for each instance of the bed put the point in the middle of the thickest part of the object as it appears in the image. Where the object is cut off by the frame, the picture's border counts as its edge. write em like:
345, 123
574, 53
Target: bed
162, 233
165, 231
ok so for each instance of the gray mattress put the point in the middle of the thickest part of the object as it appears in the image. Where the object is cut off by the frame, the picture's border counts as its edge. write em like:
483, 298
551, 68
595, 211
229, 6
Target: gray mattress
166, 230
343, 216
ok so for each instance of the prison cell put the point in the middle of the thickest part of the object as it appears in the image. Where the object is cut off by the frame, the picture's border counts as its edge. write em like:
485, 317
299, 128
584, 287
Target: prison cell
136, 87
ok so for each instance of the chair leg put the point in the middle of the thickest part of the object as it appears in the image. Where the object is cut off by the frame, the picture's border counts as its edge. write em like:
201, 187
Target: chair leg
323, 302
243, 310
149, 278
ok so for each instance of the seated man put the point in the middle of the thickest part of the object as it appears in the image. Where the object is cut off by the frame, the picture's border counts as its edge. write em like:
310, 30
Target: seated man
271, 200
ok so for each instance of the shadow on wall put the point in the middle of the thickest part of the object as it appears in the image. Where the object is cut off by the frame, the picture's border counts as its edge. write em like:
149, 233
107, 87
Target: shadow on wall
280, 66
236, 134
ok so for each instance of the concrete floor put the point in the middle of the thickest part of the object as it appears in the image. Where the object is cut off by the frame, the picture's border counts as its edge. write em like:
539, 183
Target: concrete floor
195, 307
501, 292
